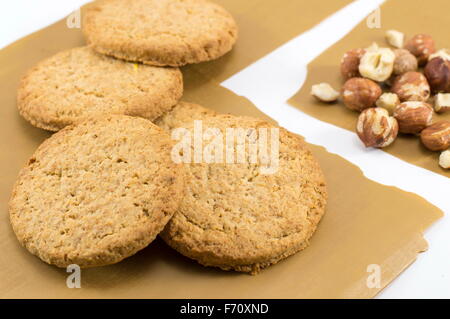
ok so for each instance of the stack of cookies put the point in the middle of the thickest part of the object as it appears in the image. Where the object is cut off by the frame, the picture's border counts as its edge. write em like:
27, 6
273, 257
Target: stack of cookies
108, 182
130, 66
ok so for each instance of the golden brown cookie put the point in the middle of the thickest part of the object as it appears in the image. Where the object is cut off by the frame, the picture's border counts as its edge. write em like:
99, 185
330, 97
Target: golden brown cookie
160, 32
238, 217
96, 193
79, 83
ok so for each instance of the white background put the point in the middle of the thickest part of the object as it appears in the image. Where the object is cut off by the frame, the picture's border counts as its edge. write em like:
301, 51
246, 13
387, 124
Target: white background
269, 83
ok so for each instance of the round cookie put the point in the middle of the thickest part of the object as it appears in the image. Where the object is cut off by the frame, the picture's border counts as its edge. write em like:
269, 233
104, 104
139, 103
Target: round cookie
236, 217
96, 193
160, 32
79, 83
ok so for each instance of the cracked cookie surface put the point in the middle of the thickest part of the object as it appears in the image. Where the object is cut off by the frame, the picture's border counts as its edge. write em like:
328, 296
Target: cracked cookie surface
79, 83
96, 193
236, 218
160, 32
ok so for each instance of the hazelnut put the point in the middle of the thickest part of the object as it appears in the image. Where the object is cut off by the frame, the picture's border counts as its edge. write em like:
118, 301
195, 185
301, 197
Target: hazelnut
359, 94
443, 53
376, 128
436, 137
395, 38
350, 63
413, 116
442, 102
324, 92
444, 159
437, 73
377, 64
404, 62
388, 101
421, 46
411, 86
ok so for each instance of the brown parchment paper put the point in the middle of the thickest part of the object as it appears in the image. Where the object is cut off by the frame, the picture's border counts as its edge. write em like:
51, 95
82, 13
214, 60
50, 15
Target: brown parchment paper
366, 223
411, 17
264, 25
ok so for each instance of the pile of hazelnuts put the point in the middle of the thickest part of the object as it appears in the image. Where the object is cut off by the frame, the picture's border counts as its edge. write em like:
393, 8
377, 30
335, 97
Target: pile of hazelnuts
397, 90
